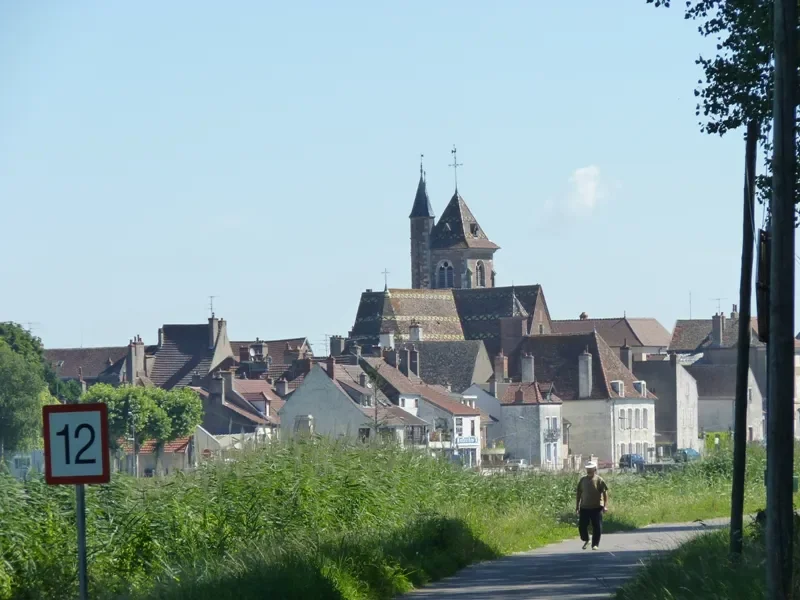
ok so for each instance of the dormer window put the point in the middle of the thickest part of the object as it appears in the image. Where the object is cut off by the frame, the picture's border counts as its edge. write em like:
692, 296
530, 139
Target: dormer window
473, 229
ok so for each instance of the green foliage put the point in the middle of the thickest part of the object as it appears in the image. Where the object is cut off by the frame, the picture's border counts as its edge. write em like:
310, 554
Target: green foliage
21, 386
738, 82
156, 414
31, 349
68, 391
725, 441
314, 519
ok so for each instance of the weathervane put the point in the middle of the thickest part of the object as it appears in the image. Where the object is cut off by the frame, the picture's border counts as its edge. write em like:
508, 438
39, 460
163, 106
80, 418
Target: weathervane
421, 156
455, 165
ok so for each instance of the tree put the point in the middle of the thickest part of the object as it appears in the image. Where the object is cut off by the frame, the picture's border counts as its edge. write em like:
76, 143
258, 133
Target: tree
155, 414
738, 82
22, 393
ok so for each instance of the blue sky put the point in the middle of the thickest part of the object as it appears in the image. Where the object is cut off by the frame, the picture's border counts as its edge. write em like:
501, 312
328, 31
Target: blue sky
153, 154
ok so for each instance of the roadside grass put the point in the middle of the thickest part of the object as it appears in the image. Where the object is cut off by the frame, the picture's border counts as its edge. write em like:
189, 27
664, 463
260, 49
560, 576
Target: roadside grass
316, 519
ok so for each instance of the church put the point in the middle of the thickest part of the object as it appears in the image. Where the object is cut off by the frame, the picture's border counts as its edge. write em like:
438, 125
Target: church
453, 294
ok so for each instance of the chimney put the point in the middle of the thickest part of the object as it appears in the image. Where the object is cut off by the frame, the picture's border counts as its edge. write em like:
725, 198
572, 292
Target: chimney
415, 332
673, 359
227, 378
519, 396
213, 330
583, 316
362, 379
387, 340
626, 355
404, 359
160, 336
282, 387
735, 312
448, 387
216, 388
337, 345
718, 329
392, 358
197, 381
500, 367
135, 363
526, 368
244, 353
413, 361
585, 374
330, 367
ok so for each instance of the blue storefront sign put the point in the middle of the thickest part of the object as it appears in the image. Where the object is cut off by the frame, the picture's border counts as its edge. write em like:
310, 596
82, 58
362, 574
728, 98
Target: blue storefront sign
465, 441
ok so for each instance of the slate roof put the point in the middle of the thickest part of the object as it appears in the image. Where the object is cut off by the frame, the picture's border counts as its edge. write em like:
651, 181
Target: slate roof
422, 204
395, 379
453, 363
184, 350
94, 362
458, 228
694, 335
714, 380
618, 330
258, 389
444, 315
556, 361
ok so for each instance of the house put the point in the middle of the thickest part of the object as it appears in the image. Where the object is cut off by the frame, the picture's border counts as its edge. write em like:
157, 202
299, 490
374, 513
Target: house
187, 351
642, 335
280, 352
226, 409
22, 464
90, 365
609, 410
321, 405
177, 455
716, 389
528, 413
455, 426
677, 404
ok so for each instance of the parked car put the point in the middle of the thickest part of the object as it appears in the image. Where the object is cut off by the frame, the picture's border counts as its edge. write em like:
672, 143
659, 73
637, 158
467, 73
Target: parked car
517, 464
631, 461
686, 455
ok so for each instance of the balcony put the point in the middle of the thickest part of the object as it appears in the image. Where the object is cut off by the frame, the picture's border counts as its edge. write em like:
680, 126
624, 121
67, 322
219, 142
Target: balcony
552, 435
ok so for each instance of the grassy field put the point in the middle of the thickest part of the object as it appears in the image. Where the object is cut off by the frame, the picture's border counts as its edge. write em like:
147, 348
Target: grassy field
315, 519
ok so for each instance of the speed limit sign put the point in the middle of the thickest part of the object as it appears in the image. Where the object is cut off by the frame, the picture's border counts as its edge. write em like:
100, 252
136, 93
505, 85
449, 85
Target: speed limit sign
76, 444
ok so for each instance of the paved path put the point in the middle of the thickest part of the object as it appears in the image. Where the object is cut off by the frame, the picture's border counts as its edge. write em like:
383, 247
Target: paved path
563, 571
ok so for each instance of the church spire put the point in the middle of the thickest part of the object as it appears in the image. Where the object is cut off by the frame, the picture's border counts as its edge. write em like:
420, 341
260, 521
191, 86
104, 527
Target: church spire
422, 204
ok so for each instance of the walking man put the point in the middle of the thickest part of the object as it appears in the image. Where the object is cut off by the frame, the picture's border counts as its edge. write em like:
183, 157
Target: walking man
591, 502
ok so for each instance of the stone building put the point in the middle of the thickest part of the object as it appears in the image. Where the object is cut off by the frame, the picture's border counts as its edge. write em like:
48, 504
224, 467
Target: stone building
454, 252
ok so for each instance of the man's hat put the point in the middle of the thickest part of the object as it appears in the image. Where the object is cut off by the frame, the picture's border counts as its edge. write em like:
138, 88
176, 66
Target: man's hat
590, 465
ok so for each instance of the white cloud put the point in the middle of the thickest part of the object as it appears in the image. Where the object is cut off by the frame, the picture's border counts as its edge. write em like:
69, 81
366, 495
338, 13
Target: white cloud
585, 189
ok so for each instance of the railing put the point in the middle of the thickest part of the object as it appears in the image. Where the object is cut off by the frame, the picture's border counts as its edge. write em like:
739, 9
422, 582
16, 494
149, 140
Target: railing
440, 436
552, 435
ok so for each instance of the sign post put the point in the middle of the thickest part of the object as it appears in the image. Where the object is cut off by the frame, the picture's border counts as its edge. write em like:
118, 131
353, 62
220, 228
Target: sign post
76, 453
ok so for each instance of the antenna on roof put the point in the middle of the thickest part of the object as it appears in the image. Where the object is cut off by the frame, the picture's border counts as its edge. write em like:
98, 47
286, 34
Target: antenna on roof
719, 304
211, 304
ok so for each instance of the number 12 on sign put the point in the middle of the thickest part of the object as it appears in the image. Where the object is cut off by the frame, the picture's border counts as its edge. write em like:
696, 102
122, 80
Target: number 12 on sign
76, 444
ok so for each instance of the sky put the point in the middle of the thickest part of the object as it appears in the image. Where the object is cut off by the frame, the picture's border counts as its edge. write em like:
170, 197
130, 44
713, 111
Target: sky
155, 154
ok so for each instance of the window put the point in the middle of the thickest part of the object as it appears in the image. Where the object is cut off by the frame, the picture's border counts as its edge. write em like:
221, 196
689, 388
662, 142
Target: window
472, 427
749, 395
22, 462
445, 275
541, 328
637, 420
645, 424
304, 424
480, 271
645, 449
549, 451
638, 448
622, 419
473, 229
629, 422
363, 433
630, 448
402, 402
621, 449
416, 402
459, 426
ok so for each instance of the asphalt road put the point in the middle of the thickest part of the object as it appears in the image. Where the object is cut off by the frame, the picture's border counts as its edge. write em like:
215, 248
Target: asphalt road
563, 571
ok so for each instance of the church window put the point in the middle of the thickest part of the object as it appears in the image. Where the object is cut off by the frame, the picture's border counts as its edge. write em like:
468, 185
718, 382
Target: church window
480, 269
445, 275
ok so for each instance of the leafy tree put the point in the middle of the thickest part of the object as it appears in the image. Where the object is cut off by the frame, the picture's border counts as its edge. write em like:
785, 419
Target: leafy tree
737, 83
31, 349
157, 414
22, 393
68, 391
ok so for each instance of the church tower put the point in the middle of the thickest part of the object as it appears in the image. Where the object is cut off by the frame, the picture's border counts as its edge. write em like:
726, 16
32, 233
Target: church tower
421, 218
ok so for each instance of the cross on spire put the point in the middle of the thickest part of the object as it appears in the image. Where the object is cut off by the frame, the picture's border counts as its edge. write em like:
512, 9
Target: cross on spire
421, 156
455, 165
385, 279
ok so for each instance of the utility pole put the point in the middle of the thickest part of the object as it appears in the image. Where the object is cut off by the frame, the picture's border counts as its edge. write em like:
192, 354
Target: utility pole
743, 347
780, 417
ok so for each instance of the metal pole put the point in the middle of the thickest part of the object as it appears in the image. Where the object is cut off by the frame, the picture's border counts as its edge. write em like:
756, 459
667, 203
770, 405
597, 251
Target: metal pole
781, 308
80, 501
743, 348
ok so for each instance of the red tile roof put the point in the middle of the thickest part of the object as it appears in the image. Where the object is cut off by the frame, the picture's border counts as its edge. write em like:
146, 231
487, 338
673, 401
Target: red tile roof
533, 393
179, 446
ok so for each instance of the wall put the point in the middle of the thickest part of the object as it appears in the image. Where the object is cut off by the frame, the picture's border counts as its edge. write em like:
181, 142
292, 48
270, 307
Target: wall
490, 405
688, 426
590, 432
716, 413
522, 436
630, 435
557, 452
334, 413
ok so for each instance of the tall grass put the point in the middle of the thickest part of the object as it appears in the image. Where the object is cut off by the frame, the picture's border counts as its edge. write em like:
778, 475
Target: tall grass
312, 519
